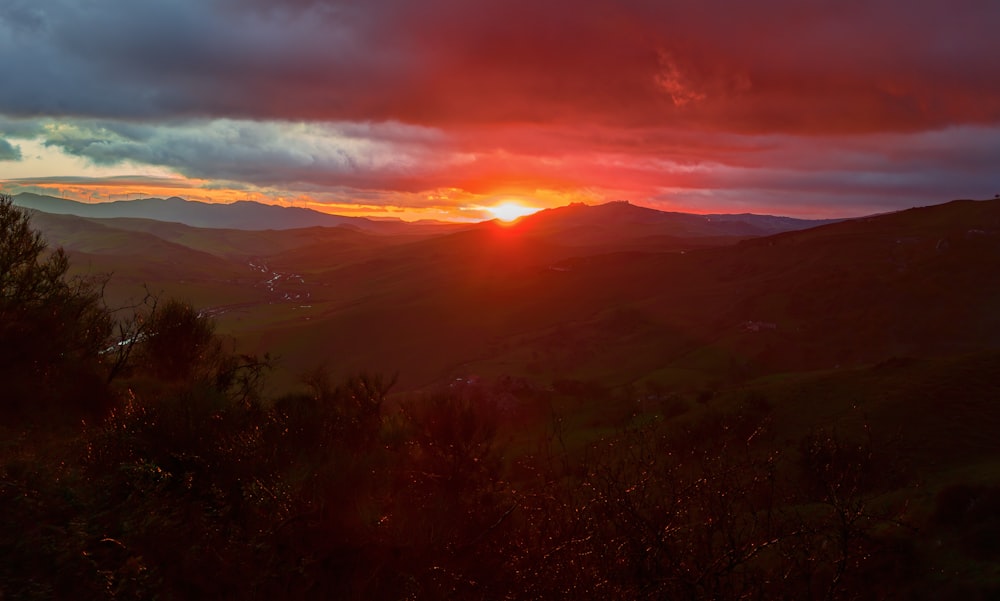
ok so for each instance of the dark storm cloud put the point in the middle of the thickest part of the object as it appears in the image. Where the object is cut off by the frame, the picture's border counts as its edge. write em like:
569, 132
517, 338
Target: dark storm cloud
22, 16
775, 101
771, 65
161, 58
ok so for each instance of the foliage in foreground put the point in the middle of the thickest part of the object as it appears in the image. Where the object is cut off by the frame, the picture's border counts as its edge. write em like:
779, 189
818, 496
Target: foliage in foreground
52, 328
204, 495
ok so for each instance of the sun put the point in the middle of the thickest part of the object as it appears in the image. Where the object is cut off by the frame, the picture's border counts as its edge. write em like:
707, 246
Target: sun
509, 211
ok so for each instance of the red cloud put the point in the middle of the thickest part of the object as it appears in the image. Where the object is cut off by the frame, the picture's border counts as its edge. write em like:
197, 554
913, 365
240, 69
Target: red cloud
644, 97
775, 65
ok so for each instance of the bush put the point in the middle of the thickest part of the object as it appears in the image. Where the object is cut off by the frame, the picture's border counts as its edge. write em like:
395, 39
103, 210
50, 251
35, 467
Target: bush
53, 328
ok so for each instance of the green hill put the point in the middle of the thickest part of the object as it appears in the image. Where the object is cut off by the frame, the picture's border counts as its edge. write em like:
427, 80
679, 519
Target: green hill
581, 410
537, 302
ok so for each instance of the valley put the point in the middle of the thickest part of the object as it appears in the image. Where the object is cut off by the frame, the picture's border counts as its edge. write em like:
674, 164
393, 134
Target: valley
814, 401
613, 293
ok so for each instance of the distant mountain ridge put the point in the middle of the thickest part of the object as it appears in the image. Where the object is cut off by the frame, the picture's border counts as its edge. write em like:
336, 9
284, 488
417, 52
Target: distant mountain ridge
611, 291
609, 221
241, 215
585, 222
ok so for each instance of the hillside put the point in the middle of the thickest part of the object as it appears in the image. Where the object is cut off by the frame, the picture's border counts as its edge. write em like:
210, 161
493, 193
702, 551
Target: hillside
593, 221
240, 215
582, 223
538, 299
504, 301
810, 414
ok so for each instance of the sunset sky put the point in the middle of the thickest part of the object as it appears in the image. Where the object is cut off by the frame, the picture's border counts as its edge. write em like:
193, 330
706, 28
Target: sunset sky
439, 108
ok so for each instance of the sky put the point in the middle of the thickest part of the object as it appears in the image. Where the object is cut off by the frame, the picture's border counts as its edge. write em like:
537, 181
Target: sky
438, 109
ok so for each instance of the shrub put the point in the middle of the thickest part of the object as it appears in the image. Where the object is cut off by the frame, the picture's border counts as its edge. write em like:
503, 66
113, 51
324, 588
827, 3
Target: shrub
53, 328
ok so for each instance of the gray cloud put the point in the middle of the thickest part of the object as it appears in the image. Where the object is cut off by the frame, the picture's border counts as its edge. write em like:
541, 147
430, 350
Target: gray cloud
158, 58
40, 184
23, 17
21, 128
770, 65
262, 153
362, 159
774, 99
9, 152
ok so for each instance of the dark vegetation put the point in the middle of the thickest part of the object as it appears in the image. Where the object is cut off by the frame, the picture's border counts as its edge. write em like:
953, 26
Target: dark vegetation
142, 457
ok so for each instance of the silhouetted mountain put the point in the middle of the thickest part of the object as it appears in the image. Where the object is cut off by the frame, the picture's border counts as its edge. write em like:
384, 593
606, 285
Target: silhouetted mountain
585, 291
242, 215
622, 212
834, 387
510, 300
613, 222
578, 224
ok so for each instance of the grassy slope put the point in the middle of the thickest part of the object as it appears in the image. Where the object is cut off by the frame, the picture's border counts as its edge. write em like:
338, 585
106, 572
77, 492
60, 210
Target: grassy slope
888, 323
490, 300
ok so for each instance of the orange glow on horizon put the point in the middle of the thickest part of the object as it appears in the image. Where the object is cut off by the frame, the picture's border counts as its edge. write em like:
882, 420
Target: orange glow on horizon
445, 205
509, 211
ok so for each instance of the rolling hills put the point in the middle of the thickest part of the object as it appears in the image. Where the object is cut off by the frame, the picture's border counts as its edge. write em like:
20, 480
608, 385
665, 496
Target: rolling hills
566, 221
614, 293
246, 215
812, 410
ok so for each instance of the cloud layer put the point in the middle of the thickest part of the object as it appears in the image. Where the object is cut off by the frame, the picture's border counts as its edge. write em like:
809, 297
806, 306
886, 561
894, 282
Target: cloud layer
784, 101
9, 152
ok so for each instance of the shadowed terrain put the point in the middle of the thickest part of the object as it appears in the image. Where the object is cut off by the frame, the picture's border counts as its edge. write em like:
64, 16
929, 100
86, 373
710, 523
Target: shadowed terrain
577, 292
600, 402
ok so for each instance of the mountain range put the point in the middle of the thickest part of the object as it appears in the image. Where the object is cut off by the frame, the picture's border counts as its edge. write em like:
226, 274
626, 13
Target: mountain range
823, 396
614, 293
243, 215
250, 215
